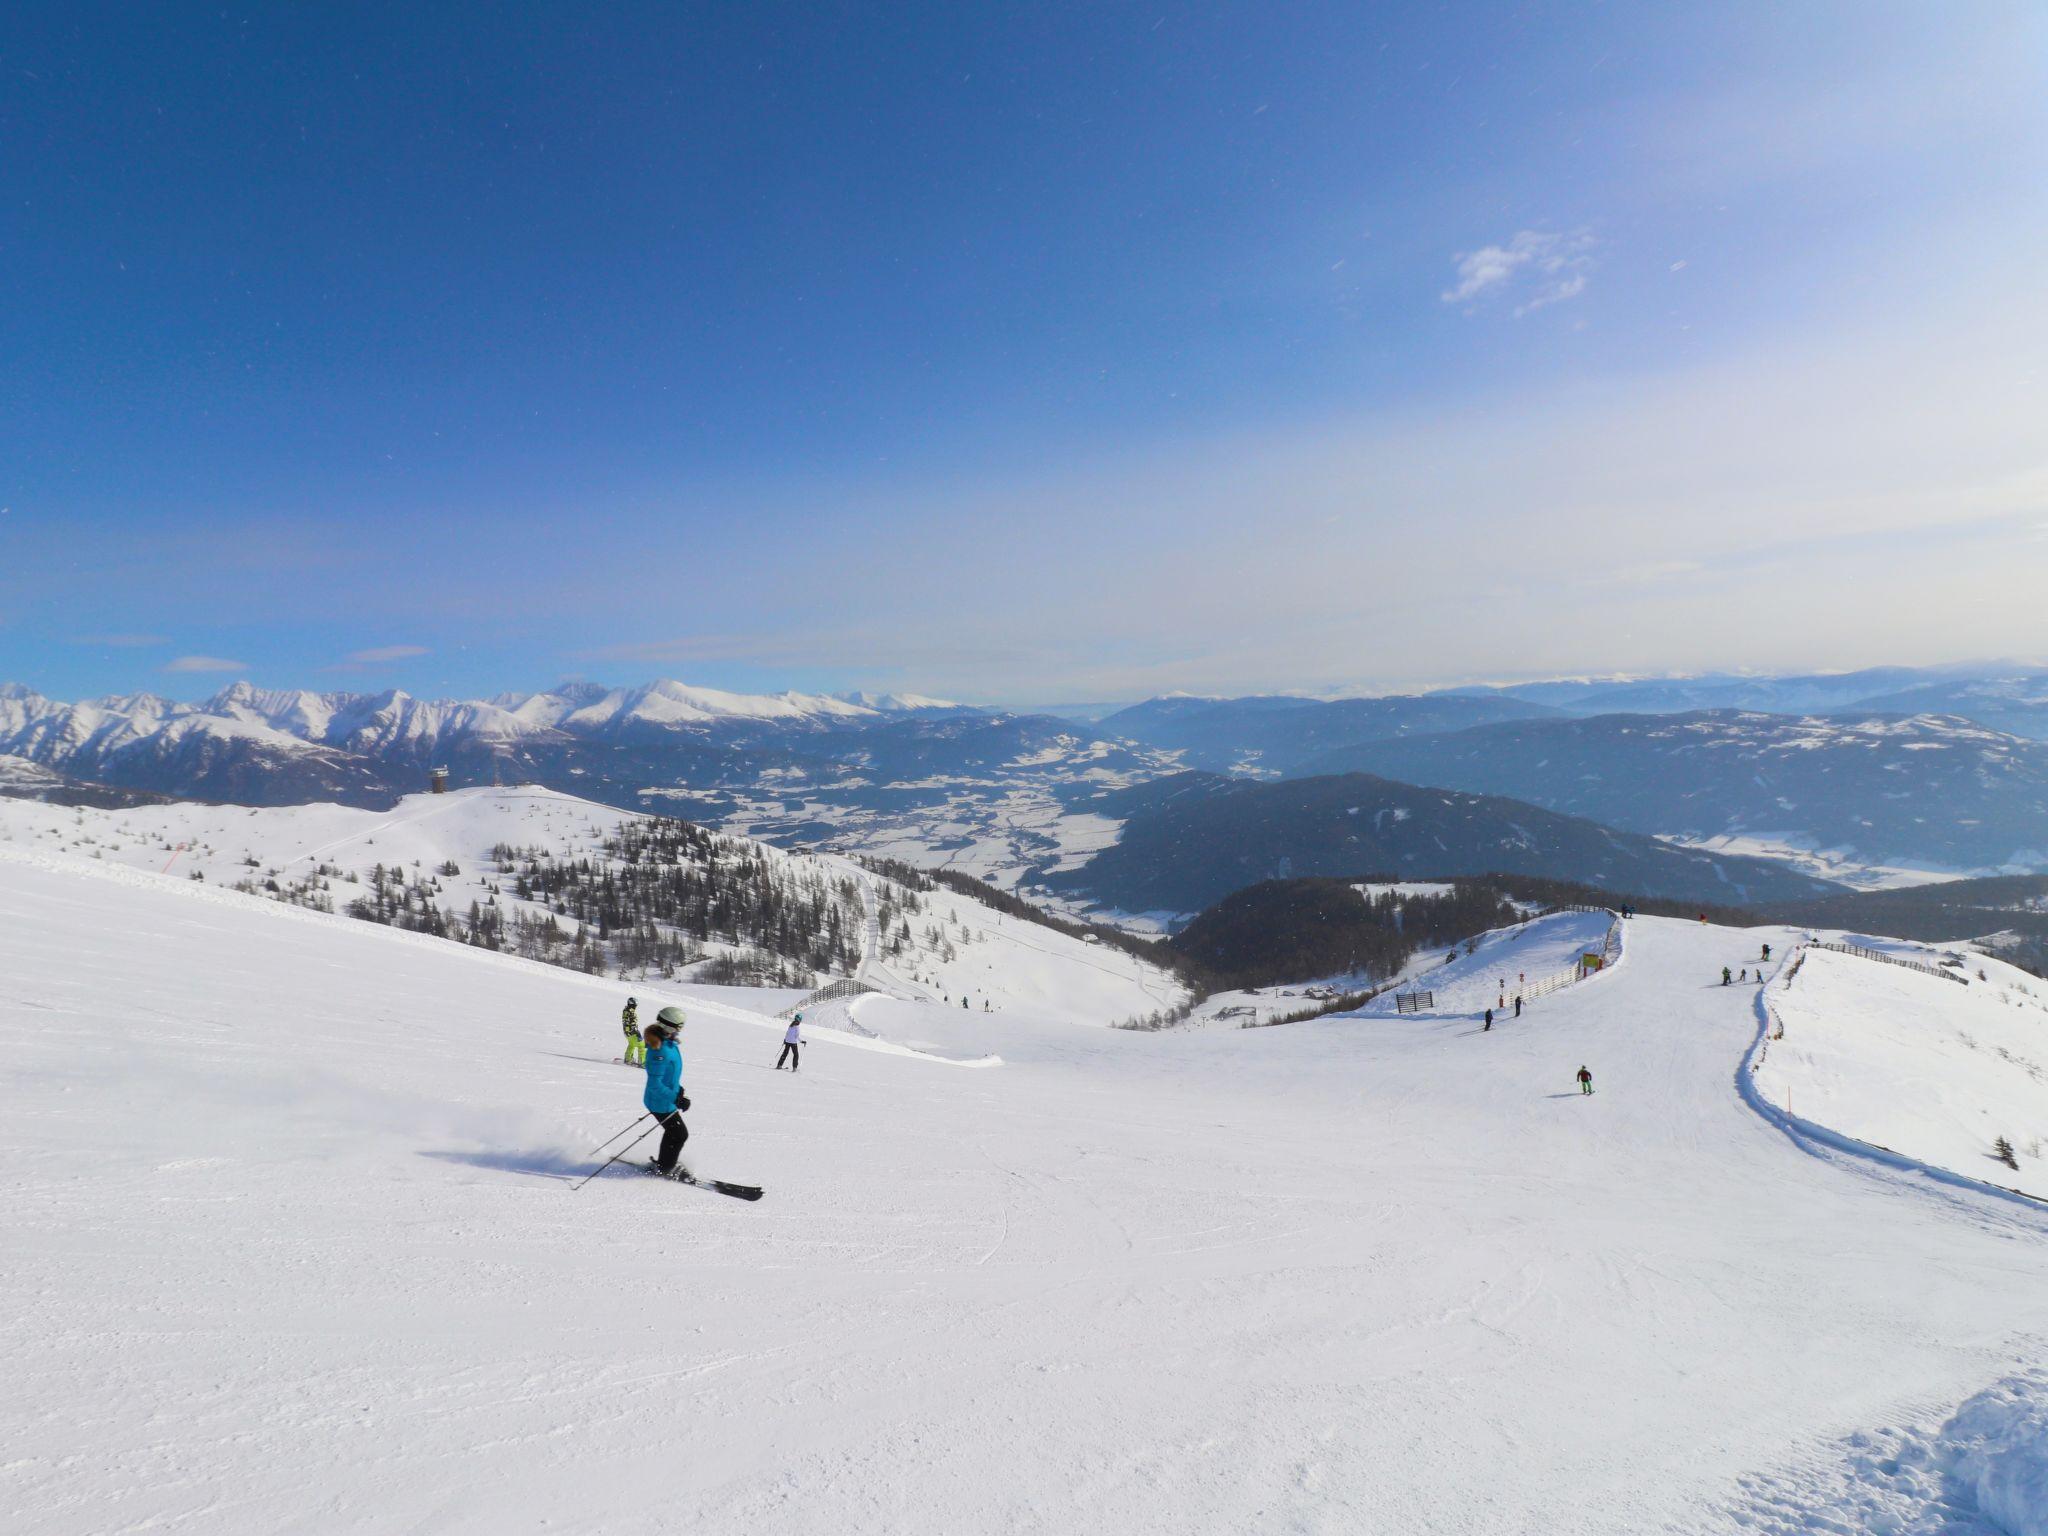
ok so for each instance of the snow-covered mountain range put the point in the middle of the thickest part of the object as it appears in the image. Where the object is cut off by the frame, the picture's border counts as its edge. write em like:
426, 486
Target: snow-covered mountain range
277, 746
1924, 788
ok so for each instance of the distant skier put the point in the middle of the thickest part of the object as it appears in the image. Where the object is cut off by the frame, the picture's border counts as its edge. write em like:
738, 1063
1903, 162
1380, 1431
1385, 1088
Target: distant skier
1585, 1081
1489, 1019
1767, 951
664, 1095
1518, 1005
636, 1048
792, 1037
1726, 975
1744, 976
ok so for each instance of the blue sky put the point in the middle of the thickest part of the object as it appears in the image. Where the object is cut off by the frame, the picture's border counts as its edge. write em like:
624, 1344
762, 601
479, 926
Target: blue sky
1010, 353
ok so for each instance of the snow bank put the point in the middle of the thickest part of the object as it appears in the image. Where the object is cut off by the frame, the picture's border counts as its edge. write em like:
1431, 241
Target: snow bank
2000, 1446
1982, 1472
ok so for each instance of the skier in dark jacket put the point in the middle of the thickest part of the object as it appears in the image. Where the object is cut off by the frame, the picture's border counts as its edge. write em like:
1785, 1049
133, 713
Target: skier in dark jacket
1489, 1019
1585, 1081
663, 1096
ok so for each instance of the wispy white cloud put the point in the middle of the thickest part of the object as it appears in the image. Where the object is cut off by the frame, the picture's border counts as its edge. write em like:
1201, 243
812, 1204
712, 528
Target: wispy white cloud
382, 653
205, 664
1539, 266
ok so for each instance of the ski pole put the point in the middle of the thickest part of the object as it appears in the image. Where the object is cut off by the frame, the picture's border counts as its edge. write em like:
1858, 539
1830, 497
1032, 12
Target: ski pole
600, 1168
610, 1139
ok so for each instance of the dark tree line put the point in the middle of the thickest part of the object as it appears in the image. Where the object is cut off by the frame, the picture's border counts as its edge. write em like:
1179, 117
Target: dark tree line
666, 876
645, 904
1292, 930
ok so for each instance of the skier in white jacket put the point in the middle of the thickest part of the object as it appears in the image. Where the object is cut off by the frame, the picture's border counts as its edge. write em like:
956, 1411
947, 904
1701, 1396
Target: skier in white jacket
792, 1037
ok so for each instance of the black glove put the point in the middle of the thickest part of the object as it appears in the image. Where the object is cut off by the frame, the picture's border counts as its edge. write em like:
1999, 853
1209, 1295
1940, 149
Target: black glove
682, 1105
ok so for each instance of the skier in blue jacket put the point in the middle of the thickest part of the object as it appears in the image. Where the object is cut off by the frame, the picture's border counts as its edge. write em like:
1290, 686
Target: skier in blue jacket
663, 1096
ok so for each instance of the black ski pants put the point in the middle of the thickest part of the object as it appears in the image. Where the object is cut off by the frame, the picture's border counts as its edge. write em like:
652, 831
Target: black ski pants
673, 1134
788, 1055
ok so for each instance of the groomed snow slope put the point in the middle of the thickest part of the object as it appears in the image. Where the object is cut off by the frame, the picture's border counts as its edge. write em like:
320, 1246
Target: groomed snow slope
1929, 1069
290, 1248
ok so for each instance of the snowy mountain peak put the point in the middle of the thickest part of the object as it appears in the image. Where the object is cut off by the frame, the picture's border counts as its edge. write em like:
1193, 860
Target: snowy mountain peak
668, 702
898, 703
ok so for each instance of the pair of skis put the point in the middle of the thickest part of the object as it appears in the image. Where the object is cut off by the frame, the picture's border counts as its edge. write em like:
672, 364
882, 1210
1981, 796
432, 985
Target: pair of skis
681, 1175
719, 1186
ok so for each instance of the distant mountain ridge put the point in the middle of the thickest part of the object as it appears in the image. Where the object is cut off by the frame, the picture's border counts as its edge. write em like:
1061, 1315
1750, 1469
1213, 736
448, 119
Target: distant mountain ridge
1924, 789
1803, 693
1275, 733
2007, 696
1192, 840
2016, 704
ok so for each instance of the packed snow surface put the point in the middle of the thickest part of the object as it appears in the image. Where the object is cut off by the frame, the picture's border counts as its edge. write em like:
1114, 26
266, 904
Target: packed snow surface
291, 1247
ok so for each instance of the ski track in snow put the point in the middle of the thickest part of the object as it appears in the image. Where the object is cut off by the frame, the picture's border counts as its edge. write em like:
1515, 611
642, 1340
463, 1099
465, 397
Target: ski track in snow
291, 1248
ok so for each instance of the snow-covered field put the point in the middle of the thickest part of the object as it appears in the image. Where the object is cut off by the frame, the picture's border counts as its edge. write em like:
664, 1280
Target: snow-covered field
291, 1247
226, 843
1002, 962
1842, 865
994, 831
1922, 1066
987, 957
